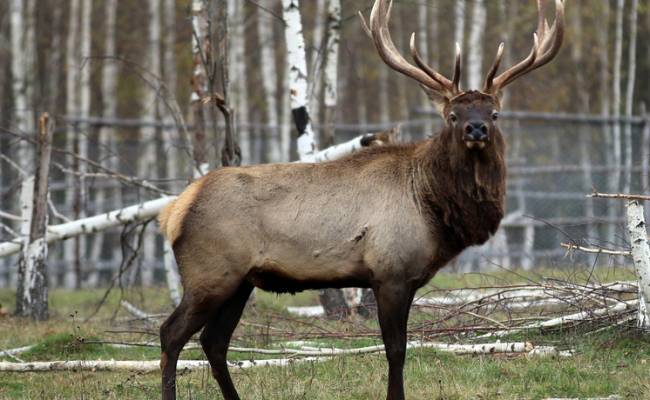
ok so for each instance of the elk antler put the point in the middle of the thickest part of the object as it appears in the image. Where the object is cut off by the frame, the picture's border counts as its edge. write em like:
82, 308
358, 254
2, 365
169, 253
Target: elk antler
427, 76
546, 44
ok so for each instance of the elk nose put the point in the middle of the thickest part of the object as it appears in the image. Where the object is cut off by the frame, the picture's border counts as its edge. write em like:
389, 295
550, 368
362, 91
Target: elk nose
476, 130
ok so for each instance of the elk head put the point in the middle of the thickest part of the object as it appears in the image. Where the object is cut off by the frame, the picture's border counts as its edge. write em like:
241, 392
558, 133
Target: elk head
470, 116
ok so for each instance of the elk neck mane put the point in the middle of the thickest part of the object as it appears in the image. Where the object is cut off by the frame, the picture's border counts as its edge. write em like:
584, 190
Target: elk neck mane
461, 193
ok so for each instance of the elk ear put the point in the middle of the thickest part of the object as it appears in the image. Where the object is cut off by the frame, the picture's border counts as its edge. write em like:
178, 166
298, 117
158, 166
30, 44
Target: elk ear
438, 100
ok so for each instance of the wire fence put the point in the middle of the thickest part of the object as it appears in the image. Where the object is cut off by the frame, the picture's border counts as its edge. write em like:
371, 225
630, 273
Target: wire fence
554, 161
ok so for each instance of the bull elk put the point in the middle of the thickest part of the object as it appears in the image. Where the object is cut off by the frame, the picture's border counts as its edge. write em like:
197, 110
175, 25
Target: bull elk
293, 227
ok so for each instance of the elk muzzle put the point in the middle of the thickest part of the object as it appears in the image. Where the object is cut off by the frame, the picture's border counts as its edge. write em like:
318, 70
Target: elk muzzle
475, 134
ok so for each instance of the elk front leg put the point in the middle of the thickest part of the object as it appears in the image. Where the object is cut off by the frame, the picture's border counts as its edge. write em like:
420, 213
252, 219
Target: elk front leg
393, 305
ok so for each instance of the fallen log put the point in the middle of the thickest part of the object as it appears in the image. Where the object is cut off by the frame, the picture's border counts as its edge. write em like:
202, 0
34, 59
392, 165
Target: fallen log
140, 366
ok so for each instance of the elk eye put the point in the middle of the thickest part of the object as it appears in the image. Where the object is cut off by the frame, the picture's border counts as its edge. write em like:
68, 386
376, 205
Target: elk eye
453, 118
495, 116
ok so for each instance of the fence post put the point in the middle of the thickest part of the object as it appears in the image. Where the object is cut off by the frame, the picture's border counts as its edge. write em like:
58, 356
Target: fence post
33, 296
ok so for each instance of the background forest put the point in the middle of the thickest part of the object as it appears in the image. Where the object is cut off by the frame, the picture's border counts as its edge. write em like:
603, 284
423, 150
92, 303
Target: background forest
117, 78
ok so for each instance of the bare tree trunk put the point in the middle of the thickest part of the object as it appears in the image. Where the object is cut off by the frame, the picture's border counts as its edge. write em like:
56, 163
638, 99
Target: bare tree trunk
106, 133
317, 63
56, 58
71, 262
298, 78
173, 154
585, 132
240, 83
331, 67
26, 212
270, 83
384, 97
230, 153
31, 299
507, 21
475, 45
423, 45
201, 50
147, 162
459, 23
629, 95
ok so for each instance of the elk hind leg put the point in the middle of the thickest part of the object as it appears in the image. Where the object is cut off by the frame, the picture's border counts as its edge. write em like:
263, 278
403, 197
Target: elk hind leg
175, 332
216, 335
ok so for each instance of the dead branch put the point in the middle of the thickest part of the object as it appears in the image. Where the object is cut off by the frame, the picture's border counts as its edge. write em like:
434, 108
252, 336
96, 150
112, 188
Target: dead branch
596, 250
638, 197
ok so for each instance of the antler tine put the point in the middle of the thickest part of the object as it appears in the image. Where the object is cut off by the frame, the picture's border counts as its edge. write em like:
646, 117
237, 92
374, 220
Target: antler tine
456, 77
378, 30
493, 70
547, 44
423, 66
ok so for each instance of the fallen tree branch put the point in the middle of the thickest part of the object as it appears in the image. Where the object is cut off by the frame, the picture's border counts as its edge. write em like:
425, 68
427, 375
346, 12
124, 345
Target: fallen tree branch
17, 350
140, 366
138, 212
596, 250
638, 197
566, 319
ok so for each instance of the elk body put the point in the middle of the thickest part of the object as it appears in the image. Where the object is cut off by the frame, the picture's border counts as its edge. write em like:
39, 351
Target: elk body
387, 218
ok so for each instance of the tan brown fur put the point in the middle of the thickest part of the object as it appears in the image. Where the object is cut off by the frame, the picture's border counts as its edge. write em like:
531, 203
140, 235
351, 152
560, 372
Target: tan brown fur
172, 216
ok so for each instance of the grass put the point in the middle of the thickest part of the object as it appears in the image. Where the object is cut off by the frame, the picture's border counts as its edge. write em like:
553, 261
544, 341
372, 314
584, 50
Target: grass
614, 361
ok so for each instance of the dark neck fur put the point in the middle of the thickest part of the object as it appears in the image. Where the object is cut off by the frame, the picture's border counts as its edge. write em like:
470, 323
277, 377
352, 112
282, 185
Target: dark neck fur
460, 192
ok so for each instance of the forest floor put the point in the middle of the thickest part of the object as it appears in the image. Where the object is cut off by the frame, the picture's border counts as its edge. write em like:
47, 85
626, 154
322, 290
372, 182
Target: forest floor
614, 361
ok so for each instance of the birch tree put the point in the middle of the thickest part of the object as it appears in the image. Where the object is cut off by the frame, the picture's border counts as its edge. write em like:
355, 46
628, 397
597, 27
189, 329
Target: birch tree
21, 72
269, 84
331, 67
629, 94
298, 79
475, 45
107, 148
77, 41
32, 293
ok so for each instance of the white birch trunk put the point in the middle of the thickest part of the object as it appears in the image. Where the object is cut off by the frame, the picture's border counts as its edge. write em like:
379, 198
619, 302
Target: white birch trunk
475, 46
641, 255
270, 84
24, 271
298, 78
331, 68
20, 70
629, 94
